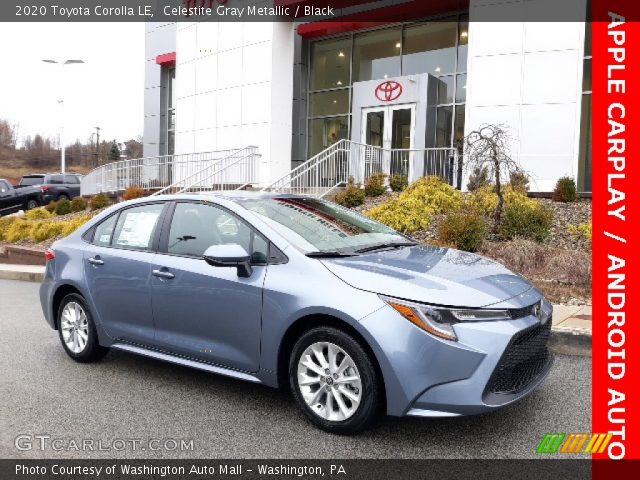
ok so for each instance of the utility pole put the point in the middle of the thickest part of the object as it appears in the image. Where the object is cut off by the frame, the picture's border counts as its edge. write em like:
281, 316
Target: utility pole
97, 146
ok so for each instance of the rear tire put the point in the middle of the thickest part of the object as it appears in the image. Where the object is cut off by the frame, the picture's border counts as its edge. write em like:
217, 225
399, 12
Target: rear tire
31, 204
63, 197
334, 381
77, 331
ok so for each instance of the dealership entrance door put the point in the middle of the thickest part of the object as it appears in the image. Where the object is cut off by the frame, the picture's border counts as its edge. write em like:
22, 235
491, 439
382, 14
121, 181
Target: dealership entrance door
392, 129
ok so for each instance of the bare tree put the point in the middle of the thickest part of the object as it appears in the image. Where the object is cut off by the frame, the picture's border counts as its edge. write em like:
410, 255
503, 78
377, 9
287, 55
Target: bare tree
488, 148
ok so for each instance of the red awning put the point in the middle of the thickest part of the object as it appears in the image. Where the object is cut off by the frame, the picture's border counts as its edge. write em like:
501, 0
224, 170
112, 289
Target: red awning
166, 59
402, 12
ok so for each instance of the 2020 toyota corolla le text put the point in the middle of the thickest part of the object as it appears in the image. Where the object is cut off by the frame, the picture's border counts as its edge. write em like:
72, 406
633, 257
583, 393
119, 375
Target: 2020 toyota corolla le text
297, 292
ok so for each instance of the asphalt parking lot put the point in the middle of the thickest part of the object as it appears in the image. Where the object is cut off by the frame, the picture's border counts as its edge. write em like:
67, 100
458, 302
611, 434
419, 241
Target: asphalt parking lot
126, 399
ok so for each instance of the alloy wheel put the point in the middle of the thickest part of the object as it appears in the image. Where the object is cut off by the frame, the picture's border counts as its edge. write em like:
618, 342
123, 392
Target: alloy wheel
75, 327
329, 381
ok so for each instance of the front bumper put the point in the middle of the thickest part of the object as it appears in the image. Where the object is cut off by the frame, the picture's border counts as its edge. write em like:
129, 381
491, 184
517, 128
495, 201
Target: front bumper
484, 370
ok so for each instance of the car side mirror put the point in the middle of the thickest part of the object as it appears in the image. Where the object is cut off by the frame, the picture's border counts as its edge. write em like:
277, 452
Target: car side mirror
229, 255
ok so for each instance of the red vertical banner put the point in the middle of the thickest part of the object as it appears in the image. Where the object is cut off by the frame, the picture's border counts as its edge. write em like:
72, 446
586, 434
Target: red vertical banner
616, 229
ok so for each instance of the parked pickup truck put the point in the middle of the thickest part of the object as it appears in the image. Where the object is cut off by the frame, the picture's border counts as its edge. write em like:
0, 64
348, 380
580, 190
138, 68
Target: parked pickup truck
13, 198
54, 186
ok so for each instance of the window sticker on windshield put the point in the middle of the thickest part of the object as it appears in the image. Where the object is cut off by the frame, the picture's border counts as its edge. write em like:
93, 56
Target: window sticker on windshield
137, 229
104, 238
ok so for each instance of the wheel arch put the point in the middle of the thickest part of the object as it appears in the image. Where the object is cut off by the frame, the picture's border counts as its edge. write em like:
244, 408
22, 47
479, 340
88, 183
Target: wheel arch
306, 323
61, 292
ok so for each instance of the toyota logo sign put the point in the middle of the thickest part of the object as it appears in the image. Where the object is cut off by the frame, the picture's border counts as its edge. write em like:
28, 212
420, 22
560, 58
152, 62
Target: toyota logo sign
388, 91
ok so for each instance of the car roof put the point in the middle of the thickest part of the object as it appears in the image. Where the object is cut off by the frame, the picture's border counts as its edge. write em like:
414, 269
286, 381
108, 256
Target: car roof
234, 195
51, 173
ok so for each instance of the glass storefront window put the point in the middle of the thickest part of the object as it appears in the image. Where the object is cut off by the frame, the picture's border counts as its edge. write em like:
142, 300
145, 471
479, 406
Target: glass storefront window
377, 55
330, 64
461, 88
324, 132
429, 48
458, 126
333, 102
584, 168
445, 89
586, 75
444, 117
463, 40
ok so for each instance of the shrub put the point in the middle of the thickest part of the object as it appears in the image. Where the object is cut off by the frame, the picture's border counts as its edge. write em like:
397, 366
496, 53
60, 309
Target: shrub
581, 232
413, 209
63, 207
398, 182
38, 214
565, 190
5, 223
478, 179
465, 231
78, 204
352, 196
527, 220
519, 182
485, 200
51, 206
133, 192
18, 230
42, 231
374, 185
71, 226
98, 201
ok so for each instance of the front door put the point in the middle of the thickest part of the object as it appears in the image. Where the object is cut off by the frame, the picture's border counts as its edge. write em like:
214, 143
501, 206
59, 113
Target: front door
388, 132
201, 311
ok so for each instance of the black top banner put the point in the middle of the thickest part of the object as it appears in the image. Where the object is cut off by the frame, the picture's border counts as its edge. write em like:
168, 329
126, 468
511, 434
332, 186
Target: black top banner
359, 11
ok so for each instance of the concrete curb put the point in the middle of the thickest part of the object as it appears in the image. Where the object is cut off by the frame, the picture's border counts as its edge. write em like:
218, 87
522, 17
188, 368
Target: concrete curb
22, 276
570, 341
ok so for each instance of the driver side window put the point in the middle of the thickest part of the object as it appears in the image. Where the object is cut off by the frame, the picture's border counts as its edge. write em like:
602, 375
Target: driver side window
197, 226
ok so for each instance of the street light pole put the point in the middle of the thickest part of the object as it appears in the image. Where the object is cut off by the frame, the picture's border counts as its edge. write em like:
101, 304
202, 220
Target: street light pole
61, 102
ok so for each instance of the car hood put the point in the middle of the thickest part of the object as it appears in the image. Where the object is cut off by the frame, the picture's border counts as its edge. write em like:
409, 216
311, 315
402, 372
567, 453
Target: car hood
441, 276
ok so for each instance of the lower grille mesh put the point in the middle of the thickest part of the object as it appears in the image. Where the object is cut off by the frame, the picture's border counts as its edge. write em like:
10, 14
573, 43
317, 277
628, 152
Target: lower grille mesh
524, 359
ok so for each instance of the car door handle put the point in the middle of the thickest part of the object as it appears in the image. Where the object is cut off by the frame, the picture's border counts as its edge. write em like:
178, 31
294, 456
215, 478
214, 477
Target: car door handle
163, 274
95, 261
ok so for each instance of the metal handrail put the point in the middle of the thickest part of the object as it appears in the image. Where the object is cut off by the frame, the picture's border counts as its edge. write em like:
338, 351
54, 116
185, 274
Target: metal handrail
333, 166
149, 173
232, 172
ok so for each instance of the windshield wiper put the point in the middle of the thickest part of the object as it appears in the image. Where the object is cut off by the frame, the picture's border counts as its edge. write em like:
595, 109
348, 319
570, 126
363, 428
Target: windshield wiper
386, 245
329, 254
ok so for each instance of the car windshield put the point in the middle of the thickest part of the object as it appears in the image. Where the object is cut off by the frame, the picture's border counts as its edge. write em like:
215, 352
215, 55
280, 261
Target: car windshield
31, 180
314, 225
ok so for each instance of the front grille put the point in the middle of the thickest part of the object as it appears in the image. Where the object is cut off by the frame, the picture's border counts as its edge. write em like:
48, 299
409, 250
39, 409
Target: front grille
523, 360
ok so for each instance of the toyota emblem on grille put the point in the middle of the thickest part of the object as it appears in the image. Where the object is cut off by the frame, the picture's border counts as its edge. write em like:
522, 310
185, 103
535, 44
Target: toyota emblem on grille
388, 91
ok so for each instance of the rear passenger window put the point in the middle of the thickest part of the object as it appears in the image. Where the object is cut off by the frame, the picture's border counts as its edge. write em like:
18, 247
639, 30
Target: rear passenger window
103, 232
71, 179
56, 180
136, 227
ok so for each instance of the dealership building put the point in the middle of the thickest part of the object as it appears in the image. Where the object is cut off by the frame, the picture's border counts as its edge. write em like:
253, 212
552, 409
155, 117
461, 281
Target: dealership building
295, 87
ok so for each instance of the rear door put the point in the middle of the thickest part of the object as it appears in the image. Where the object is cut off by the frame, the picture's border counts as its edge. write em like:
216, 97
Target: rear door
72, 183
207, 312
117, 268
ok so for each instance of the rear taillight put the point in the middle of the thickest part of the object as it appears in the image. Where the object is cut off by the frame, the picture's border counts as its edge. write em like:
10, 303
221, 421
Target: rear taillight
49, 254
44, 188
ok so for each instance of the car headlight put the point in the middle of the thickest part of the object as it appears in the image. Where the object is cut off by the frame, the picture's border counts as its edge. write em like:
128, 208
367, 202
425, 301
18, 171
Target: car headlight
439, 321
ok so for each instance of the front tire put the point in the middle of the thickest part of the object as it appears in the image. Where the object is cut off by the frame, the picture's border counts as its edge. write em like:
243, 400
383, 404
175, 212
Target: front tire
77, 330
334, 381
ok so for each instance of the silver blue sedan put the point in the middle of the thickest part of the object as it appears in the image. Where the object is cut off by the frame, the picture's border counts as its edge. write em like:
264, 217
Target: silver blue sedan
300, 293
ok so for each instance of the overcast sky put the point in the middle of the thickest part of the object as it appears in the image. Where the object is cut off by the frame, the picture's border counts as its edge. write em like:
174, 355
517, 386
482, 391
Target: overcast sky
107, 91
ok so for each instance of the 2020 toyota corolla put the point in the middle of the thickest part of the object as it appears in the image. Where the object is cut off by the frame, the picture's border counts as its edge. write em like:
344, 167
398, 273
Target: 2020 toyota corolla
297, 292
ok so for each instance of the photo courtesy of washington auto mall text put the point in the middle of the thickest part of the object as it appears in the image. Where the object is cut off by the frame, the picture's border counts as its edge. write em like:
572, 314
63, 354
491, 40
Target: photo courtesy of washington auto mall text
350, 239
